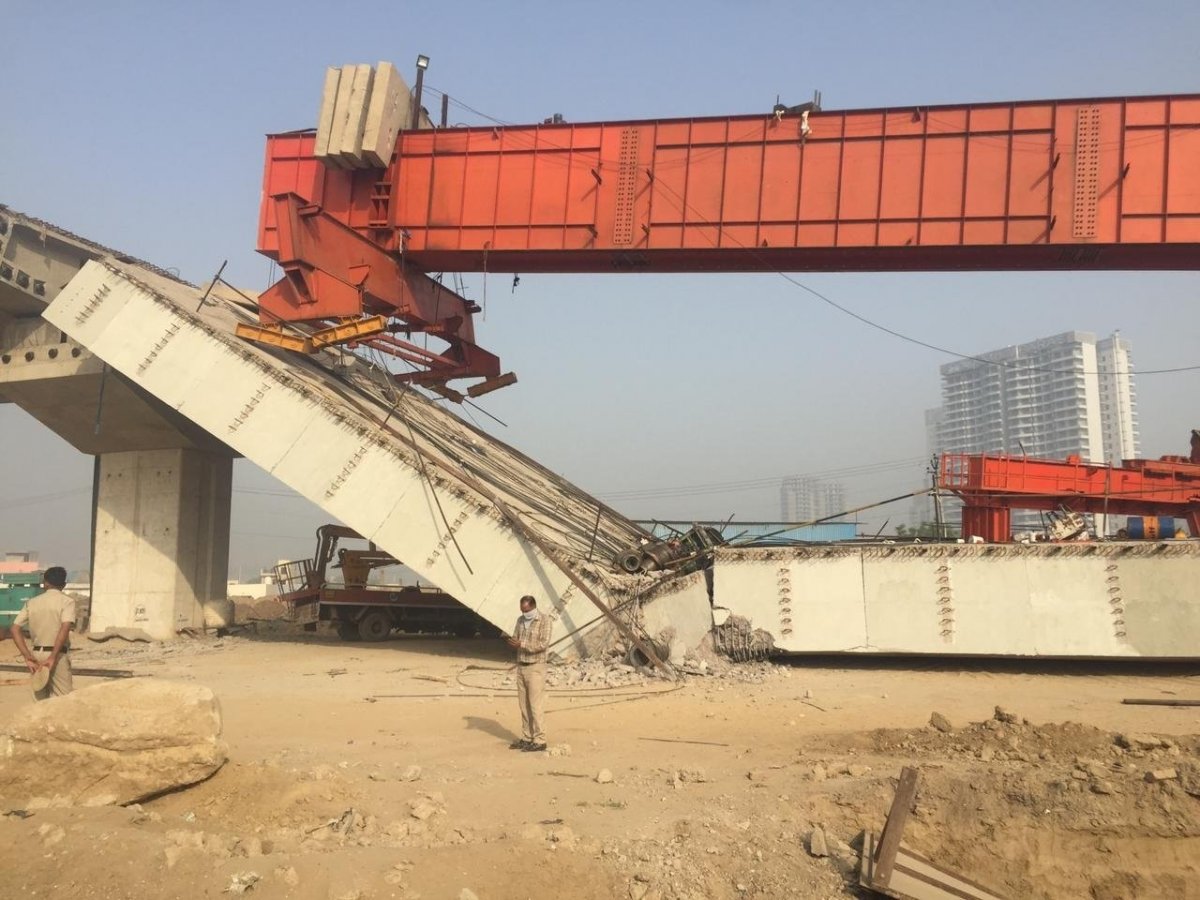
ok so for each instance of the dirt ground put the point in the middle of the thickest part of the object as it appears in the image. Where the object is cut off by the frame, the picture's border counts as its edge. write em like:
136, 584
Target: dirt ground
363, 771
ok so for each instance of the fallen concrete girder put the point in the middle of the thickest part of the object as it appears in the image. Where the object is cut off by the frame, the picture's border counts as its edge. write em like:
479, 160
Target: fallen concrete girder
1083, 600
385, 460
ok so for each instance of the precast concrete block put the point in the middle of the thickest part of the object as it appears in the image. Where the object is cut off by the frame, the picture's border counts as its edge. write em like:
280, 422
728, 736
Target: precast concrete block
350, 146
387, 112
329, 93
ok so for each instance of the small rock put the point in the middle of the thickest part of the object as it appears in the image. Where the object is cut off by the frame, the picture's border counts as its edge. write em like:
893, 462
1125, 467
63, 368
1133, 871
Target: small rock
637, 890
1002, 715
857, 770
412, 773
559, 750
987, 754
818, 773
422, 810
693, 776
1156, 775
467, 894
1137, 741
941, 723
242, 882
816, 843
1101, 787
604, 776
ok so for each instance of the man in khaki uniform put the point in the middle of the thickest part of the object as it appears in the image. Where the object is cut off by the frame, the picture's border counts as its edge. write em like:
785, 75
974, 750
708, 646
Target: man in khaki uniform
49, 617
531, 639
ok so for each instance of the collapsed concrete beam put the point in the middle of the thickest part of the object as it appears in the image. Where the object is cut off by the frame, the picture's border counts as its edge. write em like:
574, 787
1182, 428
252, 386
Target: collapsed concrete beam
1050, 600
383, 459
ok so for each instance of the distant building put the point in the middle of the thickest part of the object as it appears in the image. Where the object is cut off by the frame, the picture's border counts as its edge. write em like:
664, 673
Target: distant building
1058, 396
803, 499
19, 562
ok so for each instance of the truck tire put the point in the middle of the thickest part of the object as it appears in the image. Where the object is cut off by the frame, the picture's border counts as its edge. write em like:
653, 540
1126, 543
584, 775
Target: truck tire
347, 631
375, 625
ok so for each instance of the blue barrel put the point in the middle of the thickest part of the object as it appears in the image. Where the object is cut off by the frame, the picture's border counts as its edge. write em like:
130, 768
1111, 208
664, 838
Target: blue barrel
1150, 528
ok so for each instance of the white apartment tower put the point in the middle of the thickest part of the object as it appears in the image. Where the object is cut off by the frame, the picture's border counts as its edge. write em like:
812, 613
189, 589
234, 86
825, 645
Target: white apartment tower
804, 499
1118, 402
1051, 398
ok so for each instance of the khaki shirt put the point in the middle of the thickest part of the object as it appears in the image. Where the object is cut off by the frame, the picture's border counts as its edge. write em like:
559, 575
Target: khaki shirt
43, 615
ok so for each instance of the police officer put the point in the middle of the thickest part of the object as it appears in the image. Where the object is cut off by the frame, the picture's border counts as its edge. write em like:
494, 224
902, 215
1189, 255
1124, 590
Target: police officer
49, 617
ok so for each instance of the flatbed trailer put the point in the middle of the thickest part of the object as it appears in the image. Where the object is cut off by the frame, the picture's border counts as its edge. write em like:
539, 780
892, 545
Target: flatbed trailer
367, 612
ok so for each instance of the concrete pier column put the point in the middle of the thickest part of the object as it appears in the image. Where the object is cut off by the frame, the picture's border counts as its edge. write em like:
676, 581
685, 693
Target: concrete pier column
161, 538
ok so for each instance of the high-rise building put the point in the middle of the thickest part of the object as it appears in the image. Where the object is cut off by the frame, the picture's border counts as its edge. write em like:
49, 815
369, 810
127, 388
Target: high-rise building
1054, 397
803, 499
1118, 401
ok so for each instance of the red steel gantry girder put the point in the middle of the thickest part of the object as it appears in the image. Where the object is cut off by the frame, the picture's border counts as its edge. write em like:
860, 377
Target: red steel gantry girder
1059, 184
992, 486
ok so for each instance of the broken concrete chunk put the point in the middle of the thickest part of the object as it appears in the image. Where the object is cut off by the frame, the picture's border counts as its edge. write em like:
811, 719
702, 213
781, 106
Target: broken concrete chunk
940, 722
604, 776
1156, 775
113, 743
1138, 741
816, 843
1003, 715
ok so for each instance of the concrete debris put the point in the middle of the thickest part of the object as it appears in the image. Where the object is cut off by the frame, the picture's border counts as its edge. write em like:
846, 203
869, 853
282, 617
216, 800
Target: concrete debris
1156, 775
940, 722
1138, 741
1002, 715
559, 750
116, 742
241, 882
816, 843
604, 776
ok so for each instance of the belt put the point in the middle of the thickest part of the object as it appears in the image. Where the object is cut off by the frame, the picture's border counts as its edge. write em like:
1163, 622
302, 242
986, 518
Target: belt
51, 649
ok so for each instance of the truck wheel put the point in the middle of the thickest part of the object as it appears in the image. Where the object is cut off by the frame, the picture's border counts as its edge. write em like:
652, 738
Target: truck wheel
347, 631
375, 625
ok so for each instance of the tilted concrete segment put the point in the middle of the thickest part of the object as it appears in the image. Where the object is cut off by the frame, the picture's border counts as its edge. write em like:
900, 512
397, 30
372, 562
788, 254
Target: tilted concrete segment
1082, 600
385, 460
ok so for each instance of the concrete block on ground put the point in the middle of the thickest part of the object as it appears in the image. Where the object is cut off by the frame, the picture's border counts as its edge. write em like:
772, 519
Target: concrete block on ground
350, 146
333, 77
387, 112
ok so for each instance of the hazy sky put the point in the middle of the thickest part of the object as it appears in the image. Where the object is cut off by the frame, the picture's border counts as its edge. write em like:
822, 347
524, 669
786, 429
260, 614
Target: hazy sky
140, 125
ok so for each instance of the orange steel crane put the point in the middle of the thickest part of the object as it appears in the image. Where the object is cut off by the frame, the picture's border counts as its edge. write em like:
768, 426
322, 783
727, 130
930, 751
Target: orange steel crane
991, 486
1110, 183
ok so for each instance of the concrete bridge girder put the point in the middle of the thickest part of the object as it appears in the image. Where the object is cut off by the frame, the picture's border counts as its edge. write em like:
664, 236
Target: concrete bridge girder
162, 485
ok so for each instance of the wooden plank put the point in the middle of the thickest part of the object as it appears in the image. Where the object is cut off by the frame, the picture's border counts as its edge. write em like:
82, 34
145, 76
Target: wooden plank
916, 878
893, 828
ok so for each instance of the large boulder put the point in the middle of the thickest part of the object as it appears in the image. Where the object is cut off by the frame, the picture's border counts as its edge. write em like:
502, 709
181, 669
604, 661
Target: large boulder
113, 743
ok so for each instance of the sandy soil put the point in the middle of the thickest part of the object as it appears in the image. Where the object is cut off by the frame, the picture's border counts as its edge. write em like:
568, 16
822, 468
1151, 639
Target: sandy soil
375, 771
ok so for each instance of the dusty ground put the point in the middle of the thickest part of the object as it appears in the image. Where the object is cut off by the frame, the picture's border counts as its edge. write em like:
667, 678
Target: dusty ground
1048, 806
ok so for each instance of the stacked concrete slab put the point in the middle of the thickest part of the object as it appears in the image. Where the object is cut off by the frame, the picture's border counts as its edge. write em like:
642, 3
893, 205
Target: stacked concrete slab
362, 112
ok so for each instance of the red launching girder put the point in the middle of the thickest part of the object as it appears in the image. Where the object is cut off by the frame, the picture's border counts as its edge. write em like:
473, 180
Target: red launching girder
991, 486
1059, 184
